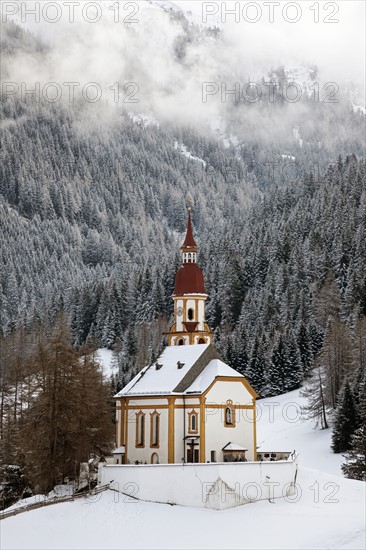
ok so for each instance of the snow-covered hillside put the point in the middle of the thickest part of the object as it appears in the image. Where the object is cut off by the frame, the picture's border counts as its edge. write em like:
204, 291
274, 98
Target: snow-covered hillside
105, 358
282, 425
328, 511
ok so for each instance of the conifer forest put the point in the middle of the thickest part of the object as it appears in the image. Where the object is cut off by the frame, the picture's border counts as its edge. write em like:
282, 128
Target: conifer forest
93, 210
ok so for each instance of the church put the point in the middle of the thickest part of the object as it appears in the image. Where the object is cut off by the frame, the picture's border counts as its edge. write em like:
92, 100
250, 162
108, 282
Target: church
188, 406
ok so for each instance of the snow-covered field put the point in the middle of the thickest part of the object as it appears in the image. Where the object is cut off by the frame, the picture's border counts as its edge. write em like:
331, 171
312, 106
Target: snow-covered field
328, 511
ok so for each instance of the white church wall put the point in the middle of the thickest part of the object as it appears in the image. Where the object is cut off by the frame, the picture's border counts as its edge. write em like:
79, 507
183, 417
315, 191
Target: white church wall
223, 390
118, 427
191, 304
143, 454
201, 314
179, 320
217, 435
178, 435
214, 485
137, 402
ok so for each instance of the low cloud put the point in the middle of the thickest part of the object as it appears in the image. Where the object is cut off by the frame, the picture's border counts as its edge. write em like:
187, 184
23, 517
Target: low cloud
160, 62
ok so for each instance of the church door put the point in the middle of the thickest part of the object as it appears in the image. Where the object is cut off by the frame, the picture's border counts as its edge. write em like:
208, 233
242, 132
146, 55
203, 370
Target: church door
193, 456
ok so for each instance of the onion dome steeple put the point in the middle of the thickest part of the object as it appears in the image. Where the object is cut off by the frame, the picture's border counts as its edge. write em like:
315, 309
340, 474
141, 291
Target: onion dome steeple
189, 297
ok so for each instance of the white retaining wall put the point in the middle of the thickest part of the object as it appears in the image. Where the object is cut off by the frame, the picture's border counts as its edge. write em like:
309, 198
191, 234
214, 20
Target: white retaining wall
212, 485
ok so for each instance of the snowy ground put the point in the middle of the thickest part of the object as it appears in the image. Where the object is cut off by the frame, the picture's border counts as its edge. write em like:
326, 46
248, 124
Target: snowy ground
282, 426
327, 513
105, 358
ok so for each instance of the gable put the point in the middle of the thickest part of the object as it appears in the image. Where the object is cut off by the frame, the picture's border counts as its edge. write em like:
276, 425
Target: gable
214, 369
234, 388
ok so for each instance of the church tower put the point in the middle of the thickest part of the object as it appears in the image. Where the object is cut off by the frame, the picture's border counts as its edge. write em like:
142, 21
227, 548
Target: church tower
189, 297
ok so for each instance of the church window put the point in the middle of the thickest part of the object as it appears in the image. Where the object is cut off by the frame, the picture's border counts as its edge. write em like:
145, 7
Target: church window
192, 422
229, 419
154, 429
190, 314
154, 458
140, 429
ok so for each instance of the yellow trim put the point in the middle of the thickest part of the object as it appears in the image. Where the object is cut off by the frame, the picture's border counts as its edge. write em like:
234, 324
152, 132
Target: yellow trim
234, 406
189, 401
135, 398
255, 430
126, 442
152, 406
232, 379
137, 438
202, 430
209, 405
171, 401
188, 404
190, 414
122, 422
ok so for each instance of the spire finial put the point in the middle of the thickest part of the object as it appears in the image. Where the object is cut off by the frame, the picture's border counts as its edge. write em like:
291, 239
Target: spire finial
189, 240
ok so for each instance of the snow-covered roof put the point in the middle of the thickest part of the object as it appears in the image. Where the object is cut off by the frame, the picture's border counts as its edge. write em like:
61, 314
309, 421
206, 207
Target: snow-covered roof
215, 368
199, 366
119, 450
233, 447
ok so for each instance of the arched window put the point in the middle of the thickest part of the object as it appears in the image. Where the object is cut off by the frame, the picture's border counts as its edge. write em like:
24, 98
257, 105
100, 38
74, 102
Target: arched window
202, 341
180, 342
228, 415
190, 314
229, 419
189, 257
140, 429
154, 458
154, 429
192, 422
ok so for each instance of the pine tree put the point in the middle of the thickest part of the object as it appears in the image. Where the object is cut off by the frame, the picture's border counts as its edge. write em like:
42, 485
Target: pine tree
58, 430
294, 373
313, 390
240, 357
355, 465
279, 369
305, 350
345, 421
258, 364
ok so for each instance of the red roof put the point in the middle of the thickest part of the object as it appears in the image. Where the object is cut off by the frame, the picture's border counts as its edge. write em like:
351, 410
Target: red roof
189, 240
189, 280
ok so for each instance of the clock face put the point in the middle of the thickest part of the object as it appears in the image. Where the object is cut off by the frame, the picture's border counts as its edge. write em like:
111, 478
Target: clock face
179, 311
